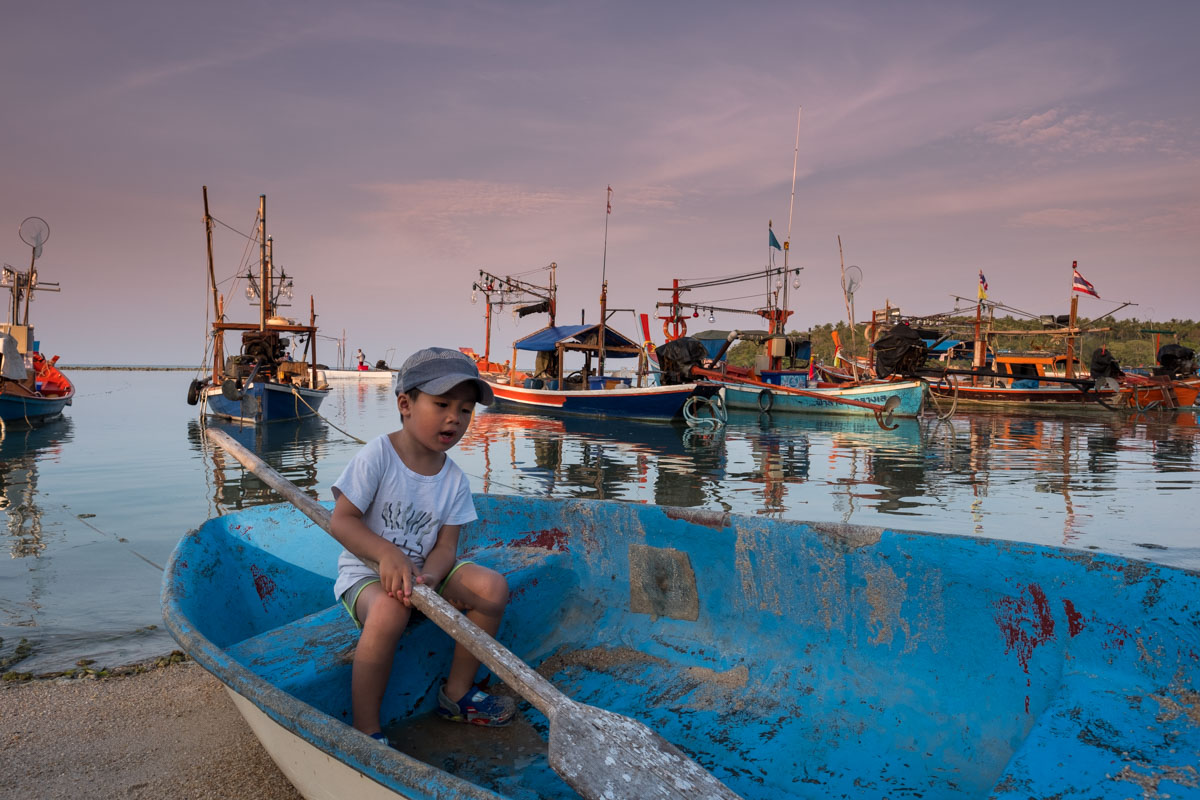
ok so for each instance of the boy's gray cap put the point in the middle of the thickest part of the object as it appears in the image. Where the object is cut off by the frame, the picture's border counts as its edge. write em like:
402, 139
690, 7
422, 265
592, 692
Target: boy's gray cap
437, 370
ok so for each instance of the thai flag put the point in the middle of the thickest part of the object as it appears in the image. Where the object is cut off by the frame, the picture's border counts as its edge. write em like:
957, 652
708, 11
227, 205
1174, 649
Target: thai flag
982, 286
1080, 284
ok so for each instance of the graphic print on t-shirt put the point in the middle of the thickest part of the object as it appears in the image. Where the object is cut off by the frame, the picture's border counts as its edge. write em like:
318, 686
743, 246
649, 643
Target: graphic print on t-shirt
408, 526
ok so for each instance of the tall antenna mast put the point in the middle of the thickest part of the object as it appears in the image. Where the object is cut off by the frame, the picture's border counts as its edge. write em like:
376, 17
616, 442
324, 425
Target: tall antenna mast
787, 243
795, 158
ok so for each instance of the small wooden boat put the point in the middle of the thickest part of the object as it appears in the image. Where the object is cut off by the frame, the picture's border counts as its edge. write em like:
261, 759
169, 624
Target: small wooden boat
371, 375
32, 389
789, 659
260, 382
909, 397
636, 403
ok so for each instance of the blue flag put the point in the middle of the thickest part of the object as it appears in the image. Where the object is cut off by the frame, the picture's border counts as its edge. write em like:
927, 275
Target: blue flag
773, 242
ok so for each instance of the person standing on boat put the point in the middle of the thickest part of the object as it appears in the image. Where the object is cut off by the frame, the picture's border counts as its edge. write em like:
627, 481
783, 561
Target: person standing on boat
400, 502
361, 358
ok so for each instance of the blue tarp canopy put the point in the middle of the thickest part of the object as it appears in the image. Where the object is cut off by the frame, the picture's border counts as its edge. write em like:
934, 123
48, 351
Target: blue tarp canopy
942, 346
547, 339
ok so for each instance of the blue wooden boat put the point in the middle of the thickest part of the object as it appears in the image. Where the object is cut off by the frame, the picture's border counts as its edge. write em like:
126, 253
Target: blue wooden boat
259, 382
909, 402
630, 402
789, 659
263, 401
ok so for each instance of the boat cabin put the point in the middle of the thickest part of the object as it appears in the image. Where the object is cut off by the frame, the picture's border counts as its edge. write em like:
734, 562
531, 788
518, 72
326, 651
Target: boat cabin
554, 342
1029, 366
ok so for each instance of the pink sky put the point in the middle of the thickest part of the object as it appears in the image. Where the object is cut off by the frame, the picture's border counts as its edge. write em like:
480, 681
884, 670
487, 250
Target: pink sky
404, 146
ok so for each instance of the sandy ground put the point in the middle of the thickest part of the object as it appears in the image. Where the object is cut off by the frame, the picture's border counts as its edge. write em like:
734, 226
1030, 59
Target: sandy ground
171, 732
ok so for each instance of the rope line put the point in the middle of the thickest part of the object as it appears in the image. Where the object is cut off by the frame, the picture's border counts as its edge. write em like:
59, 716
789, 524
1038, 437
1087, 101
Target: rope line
300, 397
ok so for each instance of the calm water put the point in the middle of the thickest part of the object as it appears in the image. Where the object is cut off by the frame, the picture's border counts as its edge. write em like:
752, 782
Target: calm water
95, 502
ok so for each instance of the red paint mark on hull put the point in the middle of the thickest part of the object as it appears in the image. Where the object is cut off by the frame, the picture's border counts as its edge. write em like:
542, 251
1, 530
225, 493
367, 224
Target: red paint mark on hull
1074, 618
263, 584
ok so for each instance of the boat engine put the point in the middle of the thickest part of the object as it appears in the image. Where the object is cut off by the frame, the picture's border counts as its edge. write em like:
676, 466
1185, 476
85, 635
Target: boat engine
900, 351
1175, 360
1104, 365
265, 347
677, 357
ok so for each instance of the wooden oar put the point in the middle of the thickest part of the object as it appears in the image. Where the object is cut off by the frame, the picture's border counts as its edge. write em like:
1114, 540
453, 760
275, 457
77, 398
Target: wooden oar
602, 755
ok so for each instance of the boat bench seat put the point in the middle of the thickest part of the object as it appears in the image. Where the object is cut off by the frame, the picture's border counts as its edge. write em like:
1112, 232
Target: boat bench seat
1093, 740
311, 658
293, 653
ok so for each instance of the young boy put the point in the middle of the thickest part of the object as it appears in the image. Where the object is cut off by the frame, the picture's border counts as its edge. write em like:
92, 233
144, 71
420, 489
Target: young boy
400, 502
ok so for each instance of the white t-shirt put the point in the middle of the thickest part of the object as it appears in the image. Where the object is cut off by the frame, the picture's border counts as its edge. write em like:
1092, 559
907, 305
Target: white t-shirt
398, 504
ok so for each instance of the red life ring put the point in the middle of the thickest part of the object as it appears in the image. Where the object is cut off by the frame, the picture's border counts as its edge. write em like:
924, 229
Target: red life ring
673, 328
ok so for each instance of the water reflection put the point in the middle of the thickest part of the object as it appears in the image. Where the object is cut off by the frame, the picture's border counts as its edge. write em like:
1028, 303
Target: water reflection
988, 474
594, 458
22, 450
293, 448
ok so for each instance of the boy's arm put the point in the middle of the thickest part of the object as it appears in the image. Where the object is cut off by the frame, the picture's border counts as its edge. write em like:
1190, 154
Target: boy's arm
395, 568
441, 558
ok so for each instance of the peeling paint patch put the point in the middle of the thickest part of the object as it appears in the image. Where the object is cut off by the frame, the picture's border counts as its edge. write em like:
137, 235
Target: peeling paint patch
850, 537
1025, 623
699, 516
1148, 782
549, 539
885, 595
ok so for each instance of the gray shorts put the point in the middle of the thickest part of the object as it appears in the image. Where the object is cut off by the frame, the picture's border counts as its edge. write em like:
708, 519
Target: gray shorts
349, 597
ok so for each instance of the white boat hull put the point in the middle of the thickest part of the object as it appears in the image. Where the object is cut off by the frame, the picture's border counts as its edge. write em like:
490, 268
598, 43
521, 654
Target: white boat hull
315, 774
359, 375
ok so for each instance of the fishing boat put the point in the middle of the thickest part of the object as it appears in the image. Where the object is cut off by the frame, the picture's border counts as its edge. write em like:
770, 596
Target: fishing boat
788, 659
584, 392
259, 381
782, 377
32, 389
798, 391
1026, 379
550, 386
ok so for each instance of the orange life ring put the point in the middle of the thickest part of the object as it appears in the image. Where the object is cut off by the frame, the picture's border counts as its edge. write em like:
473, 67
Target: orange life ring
674, 327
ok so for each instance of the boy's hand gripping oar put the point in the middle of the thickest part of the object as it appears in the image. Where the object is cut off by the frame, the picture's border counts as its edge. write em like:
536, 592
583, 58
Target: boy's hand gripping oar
602, 755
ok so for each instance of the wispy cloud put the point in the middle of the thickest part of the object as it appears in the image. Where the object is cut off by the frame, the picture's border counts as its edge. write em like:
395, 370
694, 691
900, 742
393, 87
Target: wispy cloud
1058, 131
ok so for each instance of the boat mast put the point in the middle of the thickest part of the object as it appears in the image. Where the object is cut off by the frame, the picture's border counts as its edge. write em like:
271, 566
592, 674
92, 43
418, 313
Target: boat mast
218, 334
264, 266
779, 324
850, 313
208, 233
1070, 369
787, 243
604, 283
32, 284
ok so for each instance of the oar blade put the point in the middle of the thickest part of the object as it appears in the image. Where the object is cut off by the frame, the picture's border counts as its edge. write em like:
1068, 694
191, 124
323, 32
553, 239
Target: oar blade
605, 756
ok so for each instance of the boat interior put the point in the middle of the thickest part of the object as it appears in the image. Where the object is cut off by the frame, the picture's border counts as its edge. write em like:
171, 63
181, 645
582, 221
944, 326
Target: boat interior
791, 660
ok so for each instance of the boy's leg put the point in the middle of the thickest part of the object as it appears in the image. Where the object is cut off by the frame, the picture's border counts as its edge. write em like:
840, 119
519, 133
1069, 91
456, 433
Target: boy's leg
481, 594
383, 620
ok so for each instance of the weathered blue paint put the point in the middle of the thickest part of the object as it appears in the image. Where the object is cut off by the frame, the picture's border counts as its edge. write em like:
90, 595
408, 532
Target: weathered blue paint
265, 402
792, 660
